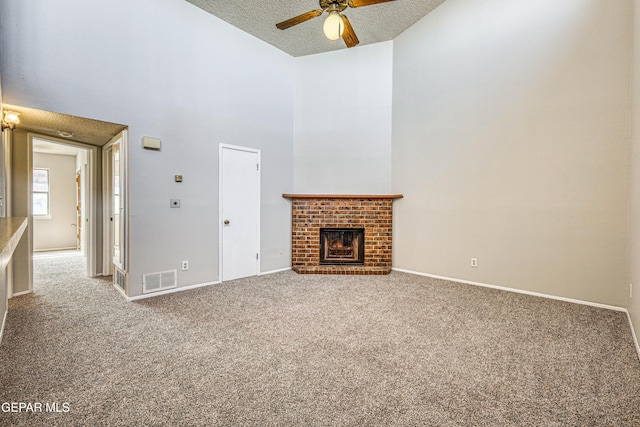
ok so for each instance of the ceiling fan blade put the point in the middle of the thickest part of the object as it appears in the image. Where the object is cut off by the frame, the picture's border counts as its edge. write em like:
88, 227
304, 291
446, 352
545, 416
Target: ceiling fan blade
299, 19
361, 3
348, 35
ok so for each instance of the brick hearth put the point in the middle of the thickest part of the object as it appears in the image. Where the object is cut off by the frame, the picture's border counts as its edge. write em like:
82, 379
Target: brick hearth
310, 212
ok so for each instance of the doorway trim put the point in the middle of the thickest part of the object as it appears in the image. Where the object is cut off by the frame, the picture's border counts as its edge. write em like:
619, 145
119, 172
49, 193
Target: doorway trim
108, 265
220, 207
91, 212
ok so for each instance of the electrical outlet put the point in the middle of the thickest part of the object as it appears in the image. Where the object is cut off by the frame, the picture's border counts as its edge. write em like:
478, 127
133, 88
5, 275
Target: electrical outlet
185, 265
474, 262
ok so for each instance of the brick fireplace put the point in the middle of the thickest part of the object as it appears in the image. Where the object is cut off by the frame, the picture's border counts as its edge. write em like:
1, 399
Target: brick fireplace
341, 214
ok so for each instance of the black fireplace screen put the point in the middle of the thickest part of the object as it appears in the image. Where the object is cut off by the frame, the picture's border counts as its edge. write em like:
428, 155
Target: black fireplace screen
341, 246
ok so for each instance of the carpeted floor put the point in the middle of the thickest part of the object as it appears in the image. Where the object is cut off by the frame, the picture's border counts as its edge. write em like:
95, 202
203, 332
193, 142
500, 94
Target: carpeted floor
303, 350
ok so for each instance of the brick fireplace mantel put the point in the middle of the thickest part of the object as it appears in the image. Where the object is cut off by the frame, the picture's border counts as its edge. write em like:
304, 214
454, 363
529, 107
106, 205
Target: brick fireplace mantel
342, 196
311, 212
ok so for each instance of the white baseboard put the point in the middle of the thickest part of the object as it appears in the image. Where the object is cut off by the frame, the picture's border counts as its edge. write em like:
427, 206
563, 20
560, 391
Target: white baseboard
264, 273
4, 321
168, 291
518, 291
185, 288
17, 294
73, 248
633, 334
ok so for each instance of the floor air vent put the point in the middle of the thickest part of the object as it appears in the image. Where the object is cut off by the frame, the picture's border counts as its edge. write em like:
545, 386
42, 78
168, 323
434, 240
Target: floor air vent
153, 282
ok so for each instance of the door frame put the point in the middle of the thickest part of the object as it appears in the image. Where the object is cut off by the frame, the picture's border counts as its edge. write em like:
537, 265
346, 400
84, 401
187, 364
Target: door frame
107, 226
220, 207
79, 208
107, 188
90, 210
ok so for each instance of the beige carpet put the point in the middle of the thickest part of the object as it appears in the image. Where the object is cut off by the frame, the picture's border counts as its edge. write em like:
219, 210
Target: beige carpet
299, 350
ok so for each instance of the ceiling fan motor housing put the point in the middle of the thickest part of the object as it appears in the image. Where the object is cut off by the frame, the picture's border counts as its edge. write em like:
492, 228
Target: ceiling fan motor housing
333, 5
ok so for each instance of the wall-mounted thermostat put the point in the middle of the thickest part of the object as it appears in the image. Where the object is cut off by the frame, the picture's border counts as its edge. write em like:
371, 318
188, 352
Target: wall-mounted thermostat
150, 143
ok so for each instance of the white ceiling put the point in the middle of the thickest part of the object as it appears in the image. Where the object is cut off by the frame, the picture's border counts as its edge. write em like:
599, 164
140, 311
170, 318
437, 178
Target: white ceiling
372, 24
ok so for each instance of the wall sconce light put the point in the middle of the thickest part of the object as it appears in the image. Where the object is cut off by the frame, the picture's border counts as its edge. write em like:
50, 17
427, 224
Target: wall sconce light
10, 120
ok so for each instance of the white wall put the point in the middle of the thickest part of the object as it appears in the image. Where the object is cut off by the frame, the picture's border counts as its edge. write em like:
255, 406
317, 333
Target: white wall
166, 69
56, 231
21, 201
342, 140
510, 144
634, 203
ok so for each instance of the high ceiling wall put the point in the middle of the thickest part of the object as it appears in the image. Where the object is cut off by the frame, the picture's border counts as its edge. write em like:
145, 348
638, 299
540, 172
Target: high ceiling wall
342, 126
510, 144
167, 70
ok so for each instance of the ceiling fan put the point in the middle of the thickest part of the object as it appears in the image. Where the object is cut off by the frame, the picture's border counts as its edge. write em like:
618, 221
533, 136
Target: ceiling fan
336, 25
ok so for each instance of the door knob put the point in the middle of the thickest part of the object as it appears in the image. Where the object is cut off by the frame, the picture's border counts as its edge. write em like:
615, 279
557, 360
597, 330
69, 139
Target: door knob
226, 222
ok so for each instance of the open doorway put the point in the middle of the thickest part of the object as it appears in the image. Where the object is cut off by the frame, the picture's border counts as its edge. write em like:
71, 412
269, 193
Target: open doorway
86, 231
61, 195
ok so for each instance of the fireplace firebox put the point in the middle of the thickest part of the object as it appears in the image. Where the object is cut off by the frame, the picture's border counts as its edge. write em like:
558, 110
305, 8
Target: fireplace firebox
369, 212
339, 246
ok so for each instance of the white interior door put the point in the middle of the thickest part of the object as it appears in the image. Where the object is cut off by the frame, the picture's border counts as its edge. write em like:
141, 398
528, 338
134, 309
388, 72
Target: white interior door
240, 212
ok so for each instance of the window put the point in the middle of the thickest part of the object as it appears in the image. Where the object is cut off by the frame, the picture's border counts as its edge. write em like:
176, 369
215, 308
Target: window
41, 192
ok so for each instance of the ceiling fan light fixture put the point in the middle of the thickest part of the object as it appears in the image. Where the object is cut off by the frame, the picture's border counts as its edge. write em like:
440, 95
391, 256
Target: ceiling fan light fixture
333, 26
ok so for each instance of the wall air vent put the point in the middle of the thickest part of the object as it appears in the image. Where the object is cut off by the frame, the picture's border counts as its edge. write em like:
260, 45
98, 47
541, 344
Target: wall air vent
153, 282
120, 279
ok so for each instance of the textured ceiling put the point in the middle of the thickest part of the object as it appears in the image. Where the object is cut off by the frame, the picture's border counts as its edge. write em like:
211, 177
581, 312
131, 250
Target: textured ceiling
46, 123
47, 147
372, 24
